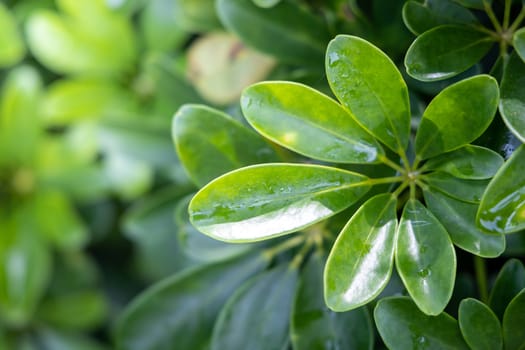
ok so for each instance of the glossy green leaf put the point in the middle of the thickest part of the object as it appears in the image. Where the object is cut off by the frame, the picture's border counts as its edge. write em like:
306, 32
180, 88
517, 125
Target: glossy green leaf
502, 207
445, 51
293, 115
286, 30
263, 201
480, 327
196, 295
425, 258
361, 260
368, 83
474, 4
513, 321
509, 282
257, 315
420, 17
459, 219
314, 327
468, 162
457, 116
11, 45
469, 191
199, 246
518, 40
403, 326
221, 146
512, 103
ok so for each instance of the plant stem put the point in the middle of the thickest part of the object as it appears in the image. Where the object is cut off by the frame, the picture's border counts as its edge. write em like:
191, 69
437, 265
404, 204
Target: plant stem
384, 180
492, 16
270, 253
518, 20
400, 189
385, 160
481, 278
506, 16
299, 257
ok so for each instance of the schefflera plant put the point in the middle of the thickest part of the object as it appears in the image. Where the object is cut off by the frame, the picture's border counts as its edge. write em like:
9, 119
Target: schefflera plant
433, 197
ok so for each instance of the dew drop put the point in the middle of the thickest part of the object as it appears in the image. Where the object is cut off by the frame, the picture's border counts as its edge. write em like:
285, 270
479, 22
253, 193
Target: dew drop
424, 273
333, 58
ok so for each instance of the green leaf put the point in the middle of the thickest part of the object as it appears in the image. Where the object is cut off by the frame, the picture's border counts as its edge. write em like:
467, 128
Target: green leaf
221, 146
160, 28
314, 327
512, 103
469, 191
266, 3
420, 17
286, 30
502, 207
480, 327
468, 162
368, 83
264, 201
257, 316
457, 116
445, 51
509, 282
518, 40
459, 219
474, 4
195, 15
12, 48
513, 321
55, 339
361, 260
403, 326
293, 115
425, 258
196, 295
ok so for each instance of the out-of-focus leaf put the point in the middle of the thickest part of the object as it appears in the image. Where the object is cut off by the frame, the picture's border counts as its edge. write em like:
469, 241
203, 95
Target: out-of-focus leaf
195, 15
186, 304
403, 326
286, 30
510, 281
512, 103
314, 327
263, 201
221, 146
502, 207
257, 315
480, 327
293, 115
445, 51
11, 45
159, 26
513, 321
368, 83
266, 3
61, 340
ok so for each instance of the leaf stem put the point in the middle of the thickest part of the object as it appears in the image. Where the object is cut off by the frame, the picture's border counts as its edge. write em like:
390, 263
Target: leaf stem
481, 278
506, 15
518, 20
385, 160
299, 257
290, 243
404, 159
384, 180
492, 16
400, 189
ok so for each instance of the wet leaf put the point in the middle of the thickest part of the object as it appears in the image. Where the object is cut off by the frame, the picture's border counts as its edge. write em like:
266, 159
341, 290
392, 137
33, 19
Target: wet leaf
368, 83
221, 146
315, 327
257, 315
361, 260
459, 219
11, 45
469, 191
480, 327
268, 200
509, 282
512, 103
445, 51
293, 115
457, 116
513, 321
425, 258
403, 326
502, 207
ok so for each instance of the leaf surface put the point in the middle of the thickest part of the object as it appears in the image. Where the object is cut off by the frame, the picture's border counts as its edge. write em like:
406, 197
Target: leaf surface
509, 282
513, 321
512, 103
479, 325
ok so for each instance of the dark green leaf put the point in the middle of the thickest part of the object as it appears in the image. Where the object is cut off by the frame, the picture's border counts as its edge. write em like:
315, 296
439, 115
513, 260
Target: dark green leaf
55, 339
420, 17
468, 162
211, 143
512, 104
11, 45
459, 219
368, 83
403, 326
502, 207
510, 281
286, 30
513, 321
469, 191
457, 116
361, 260
263, 201
256, 317
293, 115
480, 327
425, 258
518, 41
445, 51
474, 4
186, 305
315, 327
